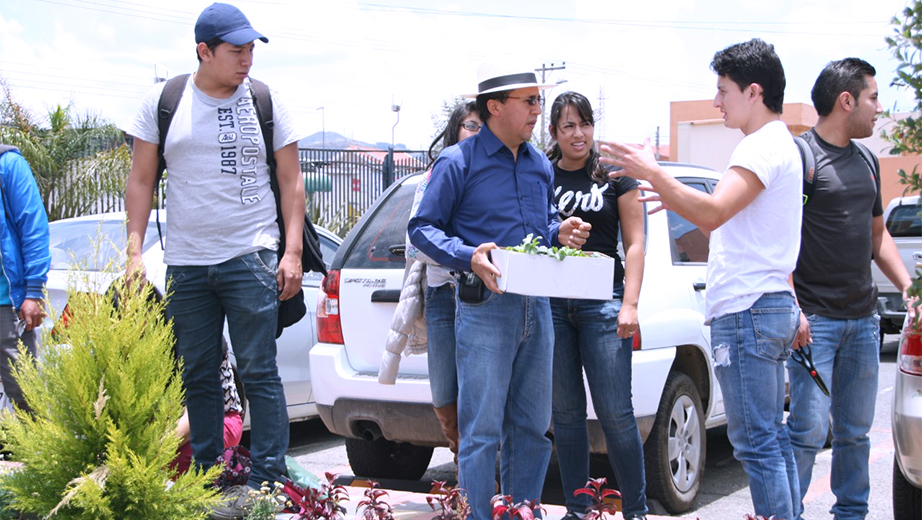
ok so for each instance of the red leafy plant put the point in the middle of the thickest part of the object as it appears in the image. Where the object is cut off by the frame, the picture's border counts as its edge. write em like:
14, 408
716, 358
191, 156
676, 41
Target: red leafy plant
525, 510
452, 502
601, 504
374, 507
323, 503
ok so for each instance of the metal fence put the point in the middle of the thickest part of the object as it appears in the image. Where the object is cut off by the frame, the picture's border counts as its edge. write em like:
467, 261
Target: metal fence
341, 184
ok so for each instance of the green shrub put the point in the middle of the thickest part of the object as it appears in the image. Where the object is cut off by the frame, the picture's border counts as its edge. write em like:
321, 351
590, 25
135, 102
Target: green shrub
106, 398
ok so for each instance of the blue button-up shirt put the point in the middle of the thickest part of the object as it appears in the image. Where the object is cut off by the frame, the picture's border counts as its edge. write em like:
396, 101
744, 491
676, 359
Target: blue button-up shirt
478, 192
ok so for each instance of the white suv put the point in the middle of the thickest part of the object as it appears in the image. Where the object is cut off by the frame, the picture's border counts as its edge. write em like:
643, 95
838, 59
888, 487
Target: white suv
390, 429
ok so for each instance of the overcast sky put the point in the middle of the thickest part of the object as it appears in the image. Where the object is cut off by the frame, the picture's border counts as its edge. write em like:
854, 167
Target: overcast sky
357, 58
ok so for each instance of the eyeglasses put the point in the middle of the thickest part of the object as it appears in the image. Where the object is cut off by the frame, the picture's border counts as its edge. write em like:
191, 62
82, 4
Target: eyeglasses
532, 100
471, 126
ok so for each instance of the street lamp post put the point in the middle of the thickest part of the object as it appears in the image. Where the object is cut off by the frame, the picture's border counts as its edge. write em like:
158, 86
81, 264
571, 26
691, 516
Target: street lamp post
389, 168
323, 123
395, 108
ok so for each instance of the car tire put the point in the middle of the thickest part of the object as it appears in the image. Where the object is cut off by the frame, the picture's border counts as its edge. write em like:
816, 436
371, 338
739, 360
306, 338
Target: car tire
907, 499
675, 477
384, 459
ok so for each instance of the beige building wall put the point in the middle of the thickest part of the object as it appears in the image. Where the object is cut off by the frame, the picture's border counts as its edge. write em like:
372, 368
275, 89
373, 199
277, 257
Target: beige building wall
698, 136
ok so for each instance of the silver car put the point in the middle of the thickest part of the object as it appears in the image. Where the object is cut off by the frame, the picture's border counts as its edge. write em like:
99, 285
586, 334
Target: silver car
94, 245
907, 426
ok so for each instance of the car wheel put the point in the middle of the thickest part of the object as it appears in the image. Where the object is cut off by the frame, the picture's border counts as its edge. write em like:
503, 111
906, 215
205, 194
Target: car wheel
907, 499
676, 449
386, 459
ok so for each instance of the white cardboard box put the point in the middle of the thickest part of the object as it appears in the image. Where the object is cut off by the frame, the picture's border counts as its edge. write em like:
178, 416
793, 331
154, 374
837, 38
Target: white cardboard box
589, 278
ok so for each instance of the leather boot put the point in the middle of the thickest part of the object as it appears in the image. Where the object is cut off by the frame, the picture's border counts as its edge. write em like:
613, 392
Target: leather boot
448, 419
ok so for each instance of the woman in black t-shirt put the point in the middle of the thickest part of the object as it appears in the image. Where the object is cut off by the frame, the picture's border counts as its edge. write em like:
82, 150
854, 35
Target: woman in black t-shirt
596, 334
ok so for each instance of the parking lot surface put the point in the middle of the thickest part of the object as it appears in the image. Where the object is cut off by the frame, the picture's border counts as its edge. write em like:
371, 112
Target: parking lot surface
724, 494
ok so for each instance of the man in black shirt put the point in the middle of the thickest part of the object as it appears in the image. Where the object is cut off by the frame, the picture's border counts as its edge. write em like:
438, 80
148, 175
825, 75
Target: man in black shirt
842, 231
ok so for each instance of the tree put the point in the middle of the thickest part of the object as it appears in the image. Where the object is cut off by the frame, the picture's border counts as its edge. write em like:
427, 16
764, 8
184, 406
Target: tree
80, 163
906, 135
440, 119
105, 397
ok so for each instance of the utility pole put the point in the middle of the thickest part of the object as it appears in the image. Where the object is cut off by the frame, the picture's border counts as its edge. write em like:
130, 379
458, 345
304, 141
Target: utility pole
600, 113
543, 70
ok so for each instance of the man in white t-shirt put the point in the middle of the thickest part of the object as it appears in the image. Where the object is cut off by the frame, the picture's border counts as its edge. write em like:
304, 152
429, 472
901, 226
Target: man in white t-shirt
222, 239
753, 217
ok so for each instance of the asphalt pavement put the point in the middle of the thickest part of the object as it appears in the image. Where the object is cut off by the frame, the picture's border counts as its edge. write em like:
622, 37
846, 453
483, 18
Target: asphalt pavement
724, 493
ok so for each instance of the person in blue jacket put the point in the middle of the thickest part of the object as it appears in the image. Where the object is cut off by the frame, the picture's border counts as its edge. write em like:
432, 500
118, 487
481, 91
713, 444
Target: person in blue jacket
24, 263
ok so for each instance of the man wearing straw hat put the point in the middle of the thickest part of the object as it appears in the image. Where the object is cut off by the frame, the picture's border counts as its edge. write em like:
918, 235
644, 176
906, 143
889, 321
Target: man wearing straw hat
490, 191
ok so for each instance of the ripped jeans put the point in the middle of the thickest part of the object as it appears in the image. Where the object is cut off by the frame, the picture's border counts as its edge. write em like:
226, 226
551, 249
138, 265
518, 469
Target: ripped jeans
749, 349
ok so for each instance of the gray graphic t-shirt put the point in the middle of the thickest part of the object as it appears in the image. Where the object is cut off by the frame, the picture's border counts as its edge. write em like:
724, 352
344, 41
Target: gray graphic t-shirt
219, 203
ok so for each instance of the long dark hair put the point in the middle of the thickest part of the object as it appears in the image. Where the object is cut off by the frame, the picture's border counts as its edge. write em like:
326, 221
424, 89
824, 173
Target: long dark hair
449, 136
584, 110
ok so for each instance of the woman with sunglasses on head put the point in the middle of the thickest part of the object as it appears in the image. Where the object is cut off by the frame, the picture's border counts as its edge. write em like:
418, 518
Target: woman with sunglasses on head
596, 335
439, 337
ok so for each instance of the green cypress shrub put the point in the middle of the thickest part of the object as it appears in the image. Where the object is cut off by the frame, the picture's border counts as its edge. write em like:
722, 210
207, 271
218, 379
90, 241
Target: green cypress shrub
105, 400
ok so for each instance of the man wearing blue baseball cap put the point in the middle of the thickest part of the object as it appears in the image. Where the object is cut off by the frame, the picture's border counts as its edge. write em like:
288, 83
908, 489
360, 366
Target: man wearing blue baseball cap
222, 238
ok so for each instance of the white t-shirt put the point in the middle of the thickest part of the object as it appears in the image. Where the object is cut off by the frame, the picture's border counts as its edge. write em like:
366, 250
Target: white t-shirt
219, 202
754, 252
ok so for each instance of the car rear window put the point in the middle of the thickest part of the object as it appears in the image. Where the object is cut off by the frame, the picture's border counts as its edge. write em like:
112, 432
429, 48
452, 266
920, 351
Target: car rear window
381, 244
92, 245
905, 221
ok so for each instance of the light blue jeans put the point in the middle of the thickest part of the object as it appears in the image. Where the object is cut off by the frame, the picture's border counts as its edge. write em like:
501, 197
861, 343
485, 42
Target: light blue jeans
440, 327
586, 336
245, 291
505, 345
846, 356
749, 350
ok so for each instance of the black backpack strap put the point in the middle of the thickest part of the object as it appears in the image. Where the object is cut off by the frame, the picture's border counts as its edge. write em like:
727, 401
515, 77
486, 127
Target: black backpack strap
808, 160
871, 159
311, 253
262, 101
166, 108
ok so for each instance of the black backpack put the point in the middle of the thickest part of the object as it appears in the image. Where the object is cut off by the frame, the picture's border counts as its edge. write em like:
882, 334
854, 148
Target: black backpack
293, 309
808, 159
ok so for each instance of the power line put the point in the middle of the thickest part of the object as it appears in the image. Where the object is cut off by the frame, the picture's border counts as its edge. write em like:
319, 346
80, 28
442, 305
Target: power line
124, 11
684, 25
69, 90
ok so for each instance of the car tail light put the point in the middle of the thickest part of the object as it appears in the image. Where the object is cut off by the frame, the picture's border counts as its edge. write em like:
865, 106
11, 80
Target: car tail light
635, 343
62, 321
329, 326
909, 358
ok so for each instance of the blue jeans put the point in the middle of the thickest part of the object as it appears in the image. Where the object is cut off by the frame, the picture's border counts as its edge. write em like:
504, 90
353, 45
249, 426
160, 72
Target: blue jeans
846, 356
440, 326
586, 336
245, 291
749, 349
505, 345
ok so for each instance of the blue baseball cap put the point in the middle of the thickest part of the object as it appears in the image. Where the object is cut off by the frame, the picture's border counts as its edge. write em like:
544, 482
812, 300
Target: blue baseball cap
226, 22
